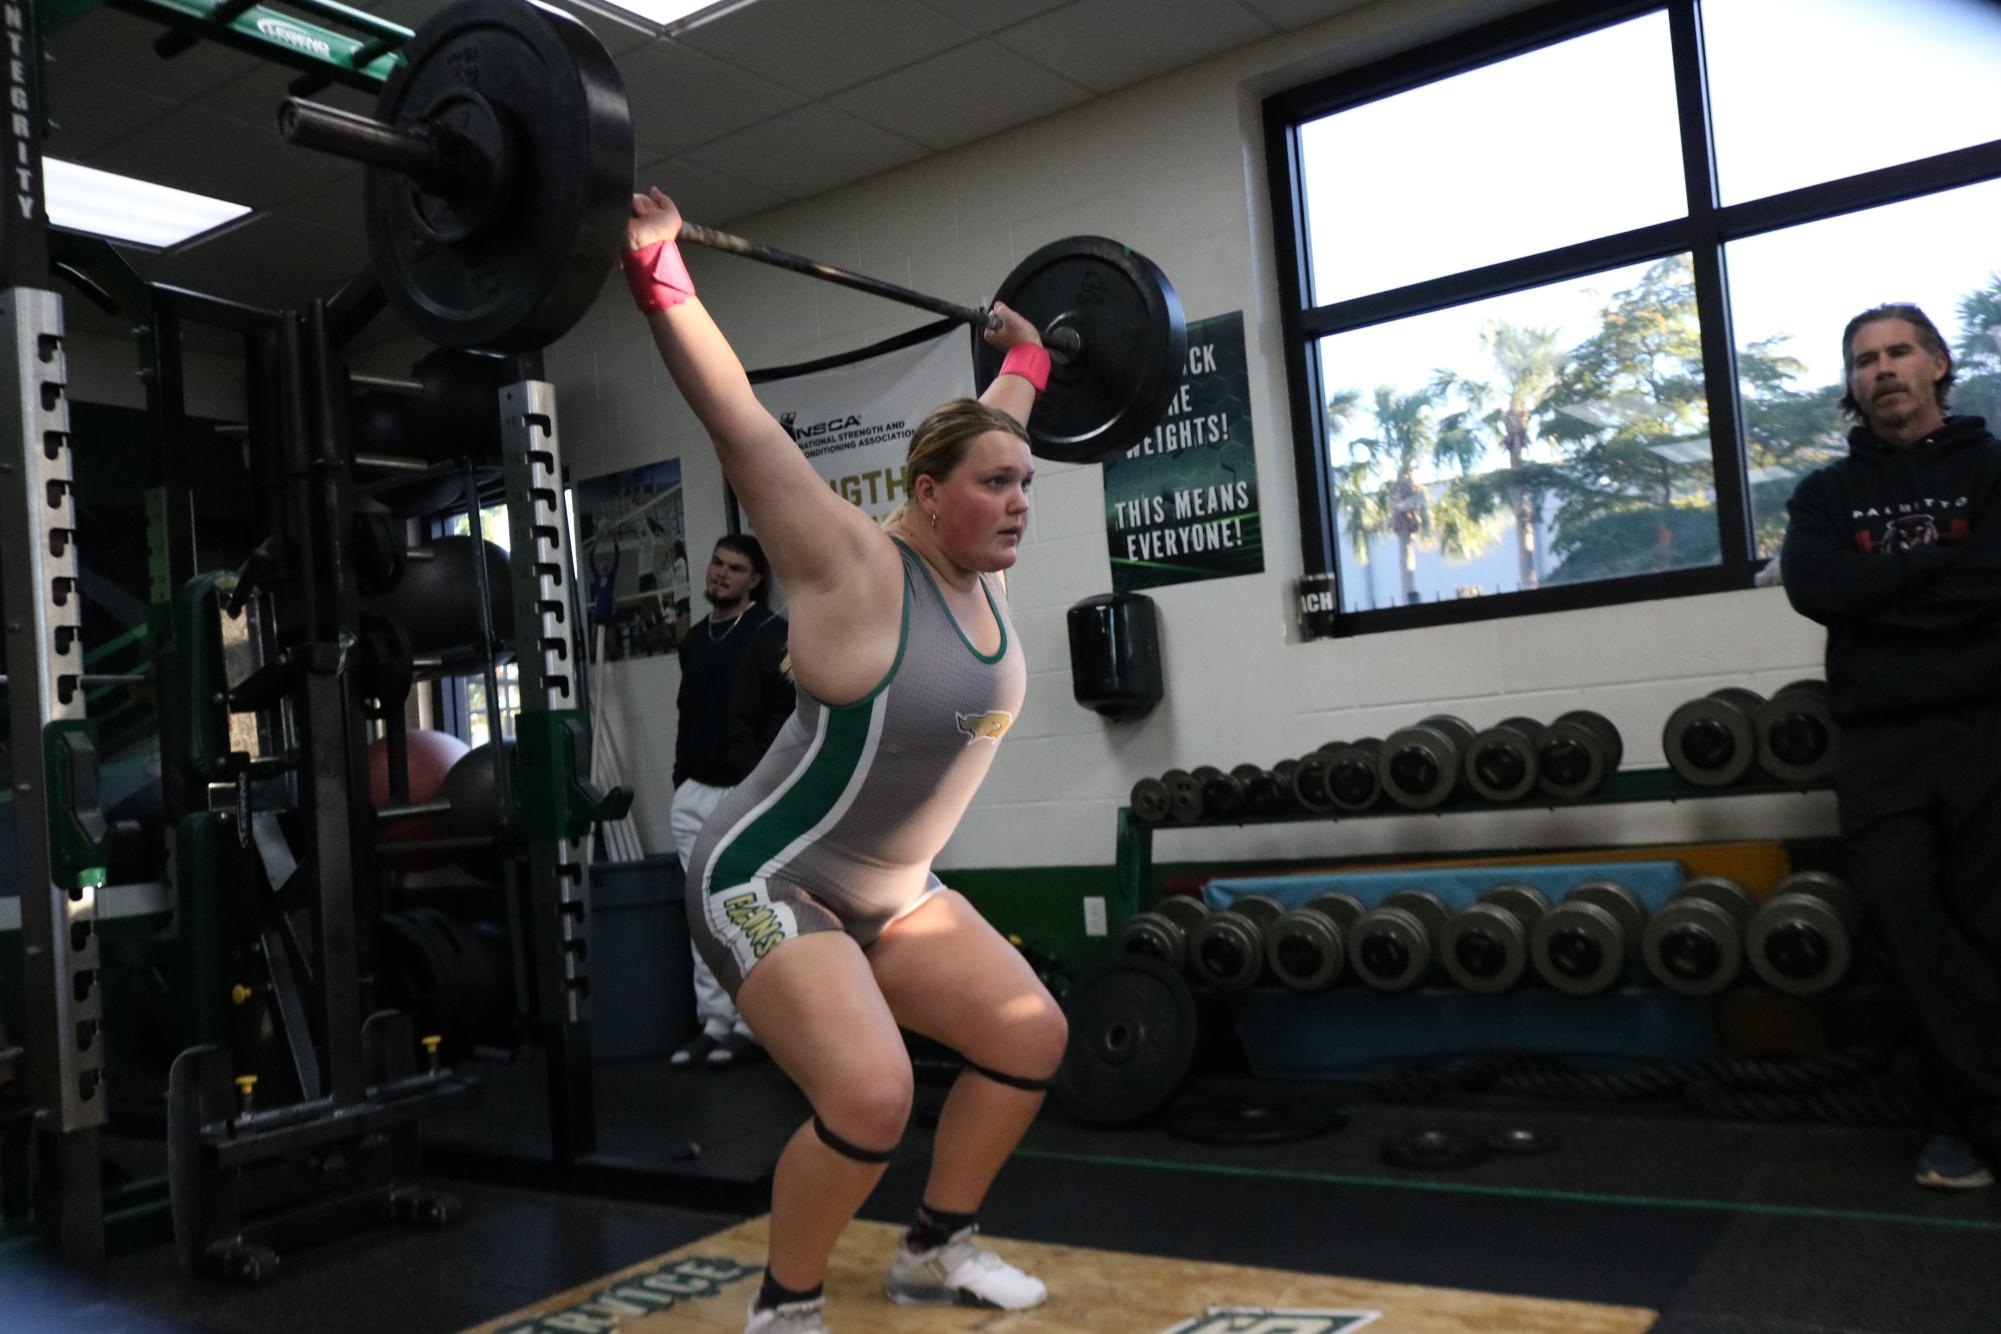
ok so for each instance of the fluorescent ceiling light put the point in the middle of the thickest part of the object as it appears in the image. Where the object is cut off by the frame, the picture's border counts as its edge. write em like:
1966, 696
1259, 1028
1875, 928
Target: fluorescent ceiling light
675, 14
85, 199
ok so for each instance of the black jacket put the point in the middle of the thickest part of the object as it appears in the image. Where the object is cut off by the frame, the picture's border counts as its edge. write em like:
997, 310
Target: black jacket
1897, 551
709, 661
763, 700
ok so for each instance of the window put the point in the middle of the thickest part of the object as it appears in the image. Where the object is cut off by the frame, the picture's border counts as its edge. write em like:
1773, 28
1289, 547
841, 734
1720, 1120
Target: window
1567, 292
472, 705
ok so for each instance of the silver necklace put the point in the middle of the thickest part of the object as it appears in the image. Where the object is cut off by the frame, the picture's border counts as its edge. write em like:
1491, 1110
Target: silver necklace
715, 638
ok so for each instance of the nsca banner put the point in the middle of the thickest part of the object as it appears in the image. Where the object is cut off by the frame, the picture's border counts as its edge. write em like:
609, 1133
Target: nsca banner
853, 414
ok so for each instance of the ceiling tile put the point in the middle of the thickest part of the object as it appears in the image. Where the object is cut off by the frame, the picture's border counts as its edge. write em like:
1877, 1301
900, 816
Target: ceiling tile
682, 98
338, 203
992, 15
816, 48
212, 154
704, 195
119, 47
1291, 14
967, 93
255, 98
805, 152
89, 114
618, 33
1107, 44
268, 261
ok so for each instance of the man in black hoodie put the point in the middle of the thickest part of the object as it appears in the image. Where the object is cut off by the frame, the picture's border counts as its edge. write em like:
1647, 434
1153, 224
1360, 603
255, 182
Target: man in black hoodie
1896, 549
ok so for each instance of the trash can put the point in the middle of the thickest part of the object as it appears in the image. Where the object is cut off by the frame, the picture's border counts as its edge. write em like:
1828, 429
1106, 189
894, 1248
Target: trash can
642, 985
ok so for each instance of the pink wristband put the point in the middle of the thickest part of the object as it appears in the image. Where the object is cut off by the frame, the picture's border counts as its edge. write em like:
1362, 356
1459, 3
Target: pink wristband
658, 278
1030, 361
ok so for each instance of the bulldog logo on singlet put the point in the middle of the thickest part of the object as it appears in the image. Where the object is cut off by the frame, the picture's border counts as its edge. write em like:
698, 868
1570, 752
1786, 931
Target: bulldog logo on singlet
986, 726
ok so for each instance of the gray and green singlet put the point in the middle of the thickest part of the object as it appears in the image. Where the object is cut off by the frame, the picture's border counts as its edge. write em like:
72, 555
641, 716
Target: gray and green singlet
836, 828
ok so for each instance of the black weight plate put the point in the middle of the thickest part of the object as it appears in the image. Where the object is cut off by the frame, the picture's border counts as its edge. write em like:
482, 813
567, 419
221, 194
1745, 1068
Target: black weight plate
1255, 1118
1260, 908
1132, 1040
1309, 784
1390, 949
1351, 775
1485, 948
1710, 741
1433, 1150
1579, 948
1344, 908
1523, 1141
1694, 946
1151, 801
1184, 910
1420, 766
1501, 763
1226, 951
1155, 935
526, 275
1135, 344
1303, 950
1184, 799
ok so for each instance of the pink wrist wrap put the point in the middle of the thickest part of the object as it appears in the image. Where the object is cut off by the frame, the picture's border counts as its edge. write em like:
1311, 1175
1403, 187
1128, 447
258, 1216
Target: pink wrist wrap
1030, 361
658, 278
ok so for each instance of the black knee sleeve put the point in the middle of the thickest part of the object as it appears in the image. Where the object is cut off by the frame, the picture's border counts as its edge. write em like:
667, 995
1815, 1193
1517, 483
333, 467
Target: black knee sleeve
848, 1149
1012, 1081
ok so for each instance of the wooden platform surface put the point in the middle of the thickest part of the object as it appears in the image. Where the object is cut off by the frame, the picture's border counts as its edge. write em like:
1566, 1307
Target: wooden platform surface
704, 1287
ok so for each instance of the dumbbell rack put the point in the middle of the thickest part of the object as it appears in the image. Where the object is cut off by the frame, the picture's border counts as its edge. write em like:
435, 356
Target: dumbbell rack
1134, 852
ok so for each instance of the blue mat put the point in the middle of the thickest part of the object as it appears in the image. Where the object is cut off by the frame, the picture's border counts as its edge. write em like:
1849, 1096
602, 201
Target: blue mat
1351, 1032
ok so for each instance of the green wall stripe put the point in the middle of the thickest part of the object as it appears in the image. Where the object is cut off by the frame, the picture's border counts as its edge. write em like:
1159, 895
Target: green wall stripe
1862, 1216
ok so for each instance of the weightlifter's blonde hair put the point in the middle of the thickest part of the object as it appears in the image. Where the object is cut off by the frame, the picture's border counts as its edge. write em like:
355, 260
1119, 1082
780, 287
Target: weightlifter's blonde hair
939, 445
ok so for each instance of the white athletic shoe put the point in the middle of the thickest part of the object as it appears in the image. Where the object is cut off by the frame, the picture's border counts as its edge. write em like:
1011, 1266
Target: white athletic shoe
960, 1273
786, 1318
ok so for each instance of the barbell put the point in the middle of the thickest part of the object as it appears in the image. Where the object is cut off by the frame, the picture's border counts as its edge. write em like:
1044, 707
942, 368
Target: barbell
500, 176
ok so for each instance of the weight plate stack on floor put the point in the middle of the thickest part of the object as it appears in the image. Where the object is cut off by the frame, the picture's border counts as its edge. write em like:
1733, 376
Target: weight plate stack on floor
1132, 1041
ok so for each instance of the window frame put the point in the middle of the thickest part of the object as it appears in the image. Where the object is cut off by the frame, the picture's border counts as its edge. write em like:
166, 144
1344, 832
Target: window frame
1702, 233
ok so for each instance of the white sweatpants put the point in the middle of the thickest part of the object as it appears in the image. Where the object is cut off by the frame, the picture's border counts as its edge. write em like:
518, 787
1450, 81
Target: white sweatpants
692, 803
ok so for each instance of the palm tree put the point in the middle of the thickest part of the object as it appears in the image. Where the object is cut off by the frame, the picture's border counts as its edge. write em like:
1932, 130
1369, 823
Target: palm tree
1406, 441
1530, 364
1357, 505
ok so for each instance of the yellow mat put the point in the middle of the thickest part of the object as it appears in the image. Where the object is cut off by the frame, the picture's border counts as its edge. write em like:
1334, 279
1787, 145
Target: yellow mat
706, 1286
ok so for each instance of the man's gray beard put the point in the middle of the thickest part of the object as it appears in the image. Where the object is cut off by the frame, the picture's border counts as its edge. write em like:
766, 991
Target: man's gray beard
1893, 419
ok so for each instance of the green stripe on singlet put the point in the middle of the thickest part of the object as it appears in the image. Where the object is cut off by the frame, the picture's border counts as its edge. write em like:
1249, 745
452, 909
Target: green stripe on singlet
804, 805
826, 777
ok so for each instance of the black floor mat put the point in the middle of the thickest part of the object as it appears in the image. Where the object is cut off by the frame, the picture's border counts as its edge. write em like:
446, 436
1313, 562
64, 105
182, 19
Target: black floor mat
1568, 1250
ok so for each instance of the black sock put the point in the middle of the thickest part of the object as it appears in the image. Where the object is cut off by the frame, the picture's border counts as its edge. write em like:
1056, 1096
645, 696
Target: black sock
935, 1227
774, 1293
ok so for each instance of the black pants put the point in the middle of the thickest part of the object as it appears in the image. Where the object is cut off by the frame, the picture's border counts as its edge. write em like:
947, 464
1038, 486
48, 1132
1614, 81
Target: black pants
1920, 804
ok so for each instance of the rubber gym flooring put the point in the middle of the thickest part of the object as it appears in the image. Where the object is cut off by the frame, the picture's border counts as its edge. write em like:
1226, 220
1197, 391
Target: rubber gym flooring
1664, 1221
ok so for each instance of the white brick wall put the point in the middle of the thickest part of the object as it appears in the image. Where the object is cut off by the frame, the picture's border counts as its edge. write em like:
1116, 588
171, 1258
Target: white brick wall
1174, 167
